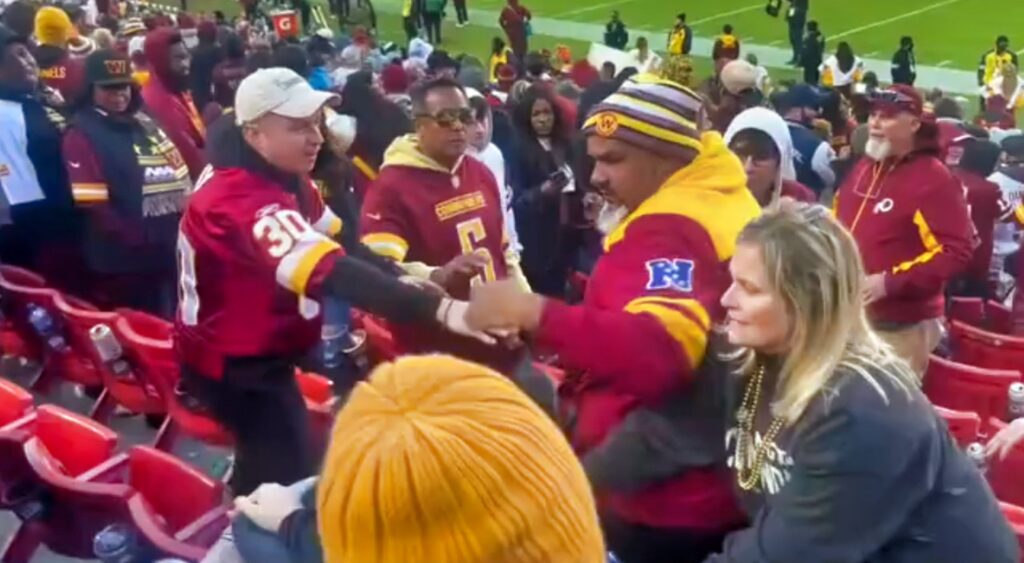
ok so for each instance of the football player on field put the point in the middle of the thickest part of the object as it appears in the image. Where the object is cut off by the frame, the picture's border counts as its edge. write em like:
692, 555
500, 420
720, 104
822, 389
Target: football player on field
255, 257
439, 213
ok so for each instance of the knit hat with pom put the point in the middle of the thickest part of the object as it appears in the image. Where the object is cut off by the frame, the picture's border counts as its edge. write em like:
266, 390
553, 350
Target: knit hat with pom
53, 27
441, 460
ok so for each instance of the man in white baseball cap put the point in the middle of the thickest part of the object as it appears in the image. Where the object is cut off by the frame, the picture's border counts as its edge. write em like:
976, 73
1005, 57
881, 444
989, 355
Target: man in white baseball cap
258, 256
280, 115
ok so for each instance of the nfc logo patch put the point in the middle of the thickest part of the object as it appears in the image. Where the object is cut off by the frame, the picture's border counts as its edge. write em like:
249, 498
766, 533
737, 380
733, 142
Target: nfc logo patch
675, 274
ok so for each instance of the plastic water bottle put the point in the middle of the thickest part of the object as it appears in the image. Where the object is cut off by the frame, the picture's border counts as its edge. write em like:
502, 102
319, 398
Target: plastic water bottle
333, 340
116, 544
1016, 396
109, 350
976, 452
45, 326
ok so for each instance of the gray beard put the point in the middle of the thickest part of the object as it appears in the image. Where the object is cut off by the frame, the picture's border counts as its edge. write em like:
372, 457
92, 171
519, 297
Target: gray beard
611, 216
878, 150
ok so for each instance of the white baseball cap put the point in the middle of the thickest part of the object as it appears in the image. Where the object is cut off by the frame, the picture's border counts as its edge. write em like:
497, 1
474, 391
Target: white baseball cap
279, 91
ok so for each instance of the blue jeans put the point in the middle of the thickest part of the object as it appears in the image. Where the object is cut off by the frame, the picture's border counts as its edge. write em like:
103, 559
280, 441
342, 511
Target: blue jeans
257, 545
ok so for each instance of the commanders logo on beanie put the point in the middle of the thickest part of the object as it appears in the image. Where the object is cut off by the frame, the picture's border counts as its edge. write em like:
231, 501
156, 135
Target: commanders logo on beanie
439, 460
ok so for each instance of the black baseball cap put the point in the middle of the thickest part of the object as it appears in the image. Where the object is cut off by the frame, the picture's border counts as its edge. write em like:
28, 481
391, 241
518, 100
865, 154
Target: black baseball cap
108, 68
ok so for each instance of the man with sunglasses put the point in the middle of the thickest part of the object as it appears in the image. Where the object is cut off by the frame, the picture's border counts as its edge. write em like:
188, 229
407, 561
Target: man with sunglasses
909, 216
439, 214
256, 259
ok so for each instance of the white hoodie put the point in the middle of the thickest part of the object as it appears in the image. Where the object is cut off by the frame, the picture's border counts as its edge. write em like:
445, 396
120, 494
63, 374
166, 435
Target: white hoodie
772, 124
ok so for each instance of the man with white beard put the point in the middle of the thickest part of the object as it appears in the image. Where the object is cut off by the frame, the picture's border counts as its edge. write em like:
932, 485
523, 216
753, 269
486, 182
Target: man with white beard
677, 200
911, 222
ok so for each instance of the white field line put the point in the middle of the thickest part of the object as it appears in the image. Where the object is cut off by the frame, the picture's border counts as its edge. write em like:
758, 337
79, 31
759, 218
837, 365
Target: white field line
727, 14
589, 8
856, 30
944, 64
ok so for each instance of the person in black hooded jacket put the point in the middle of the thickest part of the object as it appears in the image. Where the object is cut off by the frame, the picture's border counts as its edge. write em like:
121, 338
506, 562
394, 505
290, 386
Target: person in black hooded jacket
38, 225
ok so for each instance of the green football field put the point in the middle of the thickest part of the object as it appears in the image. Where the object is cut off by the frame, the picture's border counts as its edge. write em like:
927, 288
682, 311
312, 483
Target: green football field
950, 35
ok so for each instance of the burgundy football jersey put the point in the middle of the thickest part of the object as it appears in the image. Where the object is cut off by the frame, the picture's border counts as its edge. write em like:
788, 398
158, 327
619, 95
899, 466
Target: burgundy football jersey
419, 215
251, 263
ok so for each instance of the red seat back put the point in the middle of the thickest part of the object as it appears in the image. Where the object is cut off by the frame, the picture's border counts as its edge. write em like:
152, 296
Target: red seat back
964, 426
969, 310
79, 317
1015, 517
316, 388
977, 347
22, 277
998, 318
148, 346
77, 443
177, 492
1004, 475
15, 402
967, 388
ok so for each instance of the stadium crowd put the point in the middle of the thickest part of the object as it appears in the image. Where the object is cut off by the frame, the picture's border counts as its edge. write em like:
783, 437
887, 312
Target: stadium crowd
742, 281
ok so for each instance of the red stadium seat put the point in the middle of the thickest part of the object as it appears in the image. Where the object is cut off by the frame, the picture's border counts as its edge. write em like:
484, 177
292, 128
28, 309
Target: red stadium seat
320, 401
964, 426
57, 363
977, 347
967, 388
175, 508
129, 391
16, 336
970, 310
148, 347
557, 375
1005, 475
15, 402
71, 458
17, 421
1015, 517
381, 346
998, 318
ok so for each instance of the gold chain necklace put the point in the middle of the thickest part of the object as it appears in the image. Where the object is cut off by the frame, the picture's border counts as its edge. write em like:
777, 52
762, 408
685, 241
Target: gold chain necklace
749, 478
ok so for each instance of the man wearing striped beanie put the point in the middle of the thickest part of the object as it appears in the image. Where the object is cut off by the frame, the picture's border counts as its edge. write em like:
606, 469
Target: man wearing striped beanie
676, 199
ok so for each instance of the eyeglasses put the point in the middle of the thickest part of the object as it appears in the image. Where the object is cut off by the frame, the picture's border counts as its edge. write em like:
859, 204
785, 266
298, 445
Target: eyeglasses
449, 117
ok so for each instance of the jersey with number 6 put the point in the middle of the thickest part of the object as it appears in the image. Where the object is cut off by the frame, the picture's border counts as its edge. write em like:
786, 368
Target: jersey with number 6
252, 260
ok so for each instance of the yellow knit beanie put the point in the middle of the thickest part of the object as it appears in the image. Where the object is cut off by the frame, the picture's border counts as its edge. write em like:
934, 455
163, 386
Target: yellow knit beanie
53, 26
438, 460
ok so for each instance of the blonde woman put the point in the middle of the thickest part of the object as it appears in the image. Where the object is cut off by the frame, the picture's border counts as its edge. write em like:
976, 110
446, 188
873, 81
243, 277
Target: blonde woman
837, 455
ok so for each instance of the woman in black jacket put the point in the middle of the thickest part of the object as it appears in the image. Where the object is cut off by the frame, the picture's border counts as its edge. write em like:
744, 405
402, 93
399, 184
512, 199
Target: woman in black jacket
543, 190
838, 456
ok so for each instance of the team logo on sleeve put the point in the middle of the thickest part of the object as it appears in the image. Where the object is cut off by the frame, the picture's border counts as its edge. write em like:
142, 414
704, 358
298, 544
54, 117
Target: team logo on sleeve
670, 273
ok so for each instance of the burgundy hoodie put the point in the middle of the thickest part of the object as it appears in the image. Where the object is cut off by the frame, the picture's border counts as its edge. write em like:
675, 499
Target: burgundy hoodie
169, 102
910, 219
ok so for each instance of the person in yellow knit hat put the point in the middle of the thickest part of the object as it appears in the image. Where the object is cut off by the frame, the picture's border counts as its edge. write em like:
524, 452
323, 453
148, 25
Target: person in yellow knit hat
435, 459
57, 68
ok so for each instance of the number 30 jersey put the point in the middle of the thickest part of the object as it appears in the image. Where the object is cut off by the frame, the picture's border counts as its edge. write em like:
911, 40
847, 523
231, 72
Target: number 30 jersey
251, 265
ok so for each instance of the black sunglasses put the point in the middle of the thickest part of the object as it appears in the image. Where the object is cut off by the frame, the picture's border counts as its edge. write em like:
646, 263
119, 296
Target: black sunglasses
449, 117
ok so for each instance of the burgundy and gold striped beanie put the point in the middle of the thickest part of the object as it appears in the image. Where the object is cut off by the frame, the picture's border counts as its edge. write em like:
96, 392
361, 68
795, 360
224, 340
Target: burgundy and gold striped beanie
652, 113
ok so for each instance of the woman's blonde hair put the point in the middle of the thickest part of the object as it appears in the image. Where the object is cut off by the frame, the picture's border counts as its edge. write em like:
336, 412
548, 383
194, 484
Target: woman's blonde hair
812, 263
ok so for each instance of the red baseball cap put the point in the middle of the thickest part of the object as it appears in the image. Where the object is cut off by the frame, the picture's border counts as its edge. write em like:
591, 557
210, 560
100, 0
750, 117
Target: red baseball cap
896, 99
